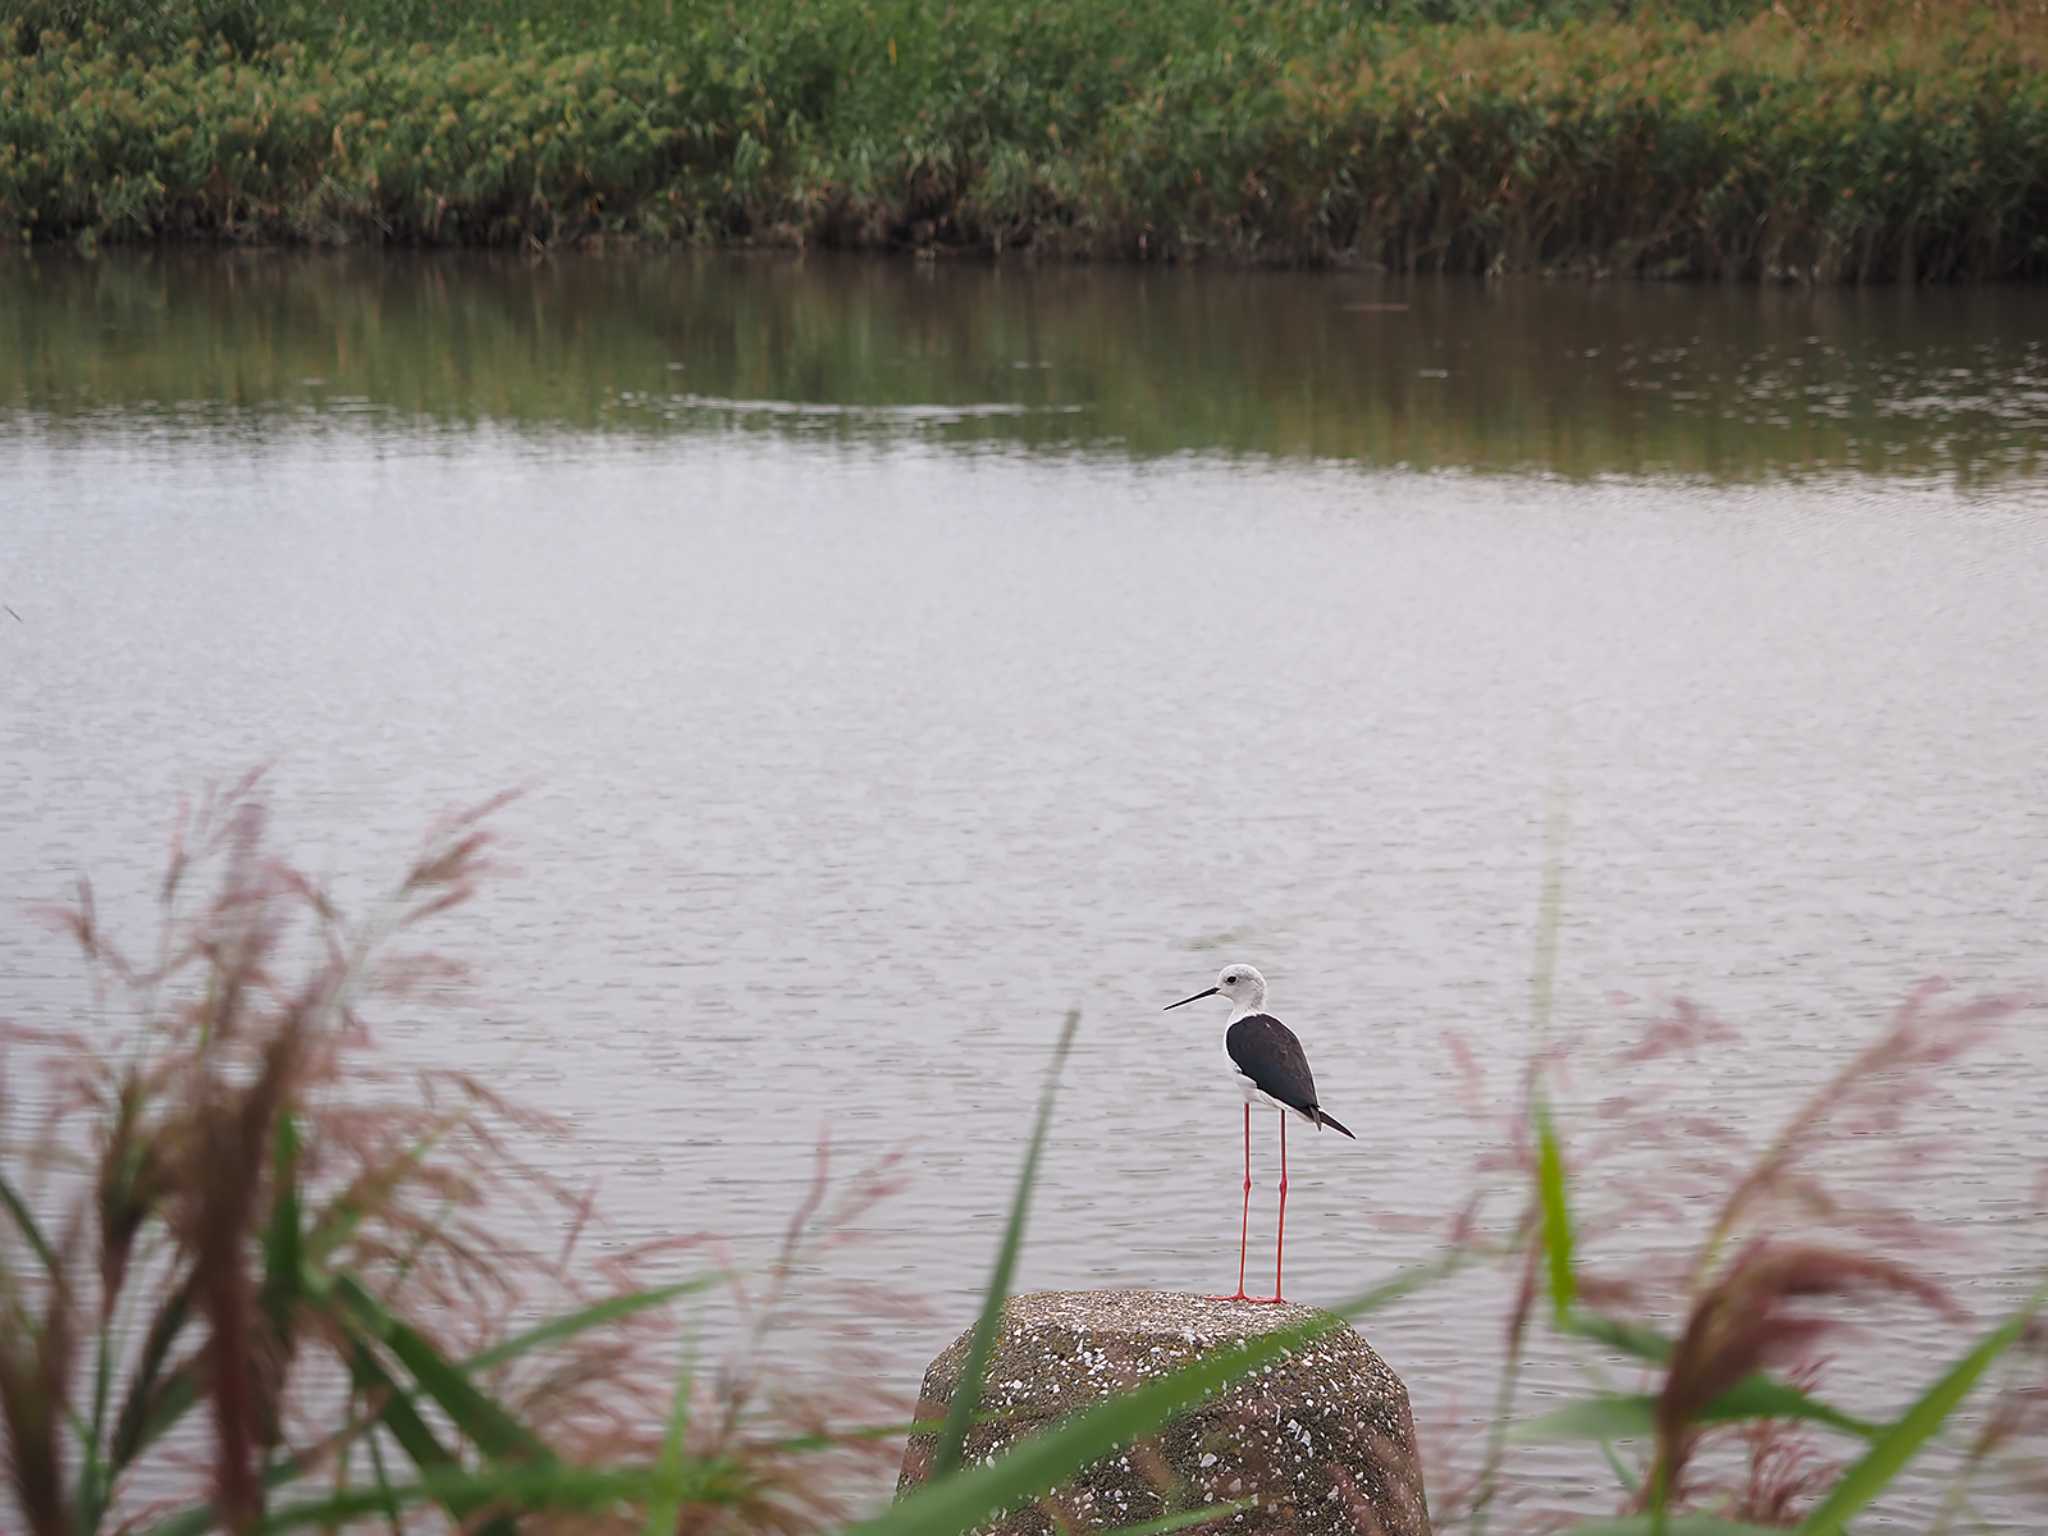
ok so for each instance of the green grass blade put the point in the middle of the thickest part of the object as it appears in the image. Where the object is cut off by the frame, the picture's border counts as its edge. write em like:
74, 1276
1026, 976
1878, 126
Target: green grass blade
1557, 1220
1630, 1338
971, 1494
1903, 1439
144, 1420
553, 1487
1622, 1474
1542, 1004
398, 1415
154, 1401
570, 1324
401, 1420
483, 1421
414, 1437
173, 1397
283, 1240
967, 1391
382, 1473
1618, 1416
195, 1519
94, 1476
1758, 1396
1632, 1416
25, 1221
667, 1501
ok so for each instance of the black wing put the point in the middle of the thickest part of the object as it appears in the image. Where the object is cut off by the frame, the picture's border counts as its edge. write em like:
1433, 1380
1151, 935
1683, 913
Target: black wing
1266, 1051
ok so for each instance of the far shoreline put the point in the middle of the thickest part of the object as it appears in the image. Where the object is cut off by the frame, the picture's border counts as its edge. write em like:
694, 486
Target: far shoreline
1759, 151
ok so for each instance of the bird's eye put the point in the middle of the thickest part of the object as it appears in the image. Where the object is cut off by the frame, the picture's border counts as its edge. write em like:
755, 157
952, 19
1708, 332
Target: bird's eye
1230, 981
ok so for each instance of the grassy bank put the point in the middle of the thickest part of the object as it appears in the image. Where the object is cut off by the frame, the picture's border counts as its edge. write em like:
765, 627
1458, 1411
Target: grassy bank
1901, 145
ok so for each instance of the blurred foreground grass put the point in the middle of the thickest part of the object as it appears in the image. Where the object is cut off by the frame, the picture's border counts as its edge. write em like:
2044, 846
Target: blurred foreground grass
239, 1262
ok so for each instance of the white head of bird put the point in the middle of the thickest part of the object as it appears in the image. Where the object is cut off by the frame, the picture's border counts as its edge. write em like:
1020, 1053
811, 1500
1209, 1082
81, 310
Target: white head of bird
1243, 985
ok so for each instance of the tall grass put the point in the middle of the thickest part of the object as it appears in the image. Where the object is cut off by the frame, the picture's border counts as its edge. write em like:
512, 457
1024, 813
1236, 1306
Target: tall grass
250, 1279
1779, 1263
237, 1256
1821, 141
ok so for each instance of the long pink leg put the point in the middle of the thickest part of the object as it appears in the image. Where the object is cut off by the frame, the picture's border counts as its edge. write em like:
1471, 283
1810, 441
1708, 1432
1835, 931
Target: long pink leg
1244, 1225
1280, 1243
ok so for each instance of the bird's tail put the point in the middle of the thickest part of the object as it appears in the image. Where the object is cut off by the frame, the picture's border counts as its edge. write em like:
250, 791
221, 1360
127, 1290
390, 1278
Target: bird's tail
1324, 1117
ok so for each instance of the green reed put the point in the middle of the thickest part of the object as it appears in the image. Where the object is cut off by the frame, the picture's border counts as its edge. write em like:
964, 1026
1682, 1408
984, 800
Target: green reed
1816, 143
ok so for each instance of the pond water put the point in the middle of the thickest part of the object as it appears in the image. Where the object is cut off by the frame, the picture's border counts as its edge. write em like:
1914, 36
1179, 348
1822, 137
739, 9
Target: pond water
898, 655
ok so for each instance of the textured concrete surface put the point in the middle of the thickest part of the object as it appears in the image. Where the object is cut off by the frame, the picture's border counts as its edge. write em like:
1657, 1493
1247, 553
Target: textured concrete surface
1321, 1438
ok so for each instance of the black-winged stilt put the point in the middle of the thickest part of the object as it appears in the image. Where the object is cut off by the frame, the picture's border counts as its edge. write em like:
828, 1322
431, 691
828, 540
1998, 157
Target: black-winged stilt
1271, 1069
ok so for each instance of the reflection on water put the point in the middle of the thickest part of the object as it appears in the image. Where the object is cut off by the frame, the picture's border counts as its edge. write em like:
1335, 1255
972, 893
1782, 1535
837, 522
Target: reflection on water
864, 738
1574, 379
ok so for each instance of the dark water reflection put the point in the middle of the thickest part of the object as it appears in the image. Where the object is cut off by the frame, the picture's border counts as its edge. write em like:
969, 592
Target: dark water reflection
1735, 384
